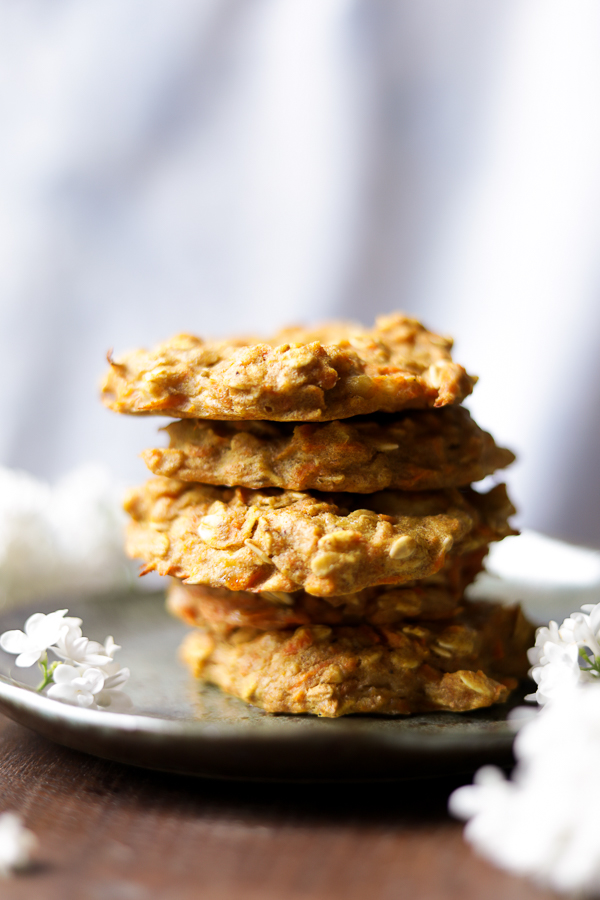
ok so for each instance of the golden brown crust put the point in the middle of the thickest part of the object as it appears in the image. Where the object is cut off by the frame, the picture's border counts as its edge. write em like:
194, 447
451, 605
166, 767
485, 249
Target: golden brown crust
437, 597
332, 372
417, 450
272, 540
470, 663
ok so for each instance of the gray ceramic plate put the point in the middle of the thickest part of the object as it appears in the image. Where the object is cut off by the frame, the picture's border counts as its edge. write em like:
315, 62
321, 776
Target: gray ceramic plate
178, 727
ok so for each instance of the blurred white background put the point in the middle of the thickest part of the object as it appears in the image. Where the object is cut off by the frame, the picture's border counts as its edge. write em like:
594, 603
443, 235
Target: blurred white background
220, 166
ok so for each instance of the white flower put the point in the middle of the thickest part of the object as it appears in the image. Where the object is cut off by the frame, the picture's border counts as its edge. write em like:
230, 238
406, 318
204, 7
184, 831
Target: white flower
583, 629
543, 636
76, 685
543, 822
16, 844
110, 648
115, 677
91, 687
41, 631
558, 673
111, 693
566, 656
62, 539
88, 674
77, 650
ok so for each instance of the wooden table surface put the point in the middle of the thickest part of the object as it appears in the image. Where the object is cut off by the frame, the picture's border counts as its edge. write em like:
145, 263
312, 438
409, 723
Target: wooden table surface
109, 832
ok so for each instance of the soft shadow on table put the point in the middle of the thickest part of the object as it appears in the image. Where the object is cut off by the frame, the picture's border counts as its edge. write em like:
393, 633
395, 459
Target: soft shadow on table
112, 832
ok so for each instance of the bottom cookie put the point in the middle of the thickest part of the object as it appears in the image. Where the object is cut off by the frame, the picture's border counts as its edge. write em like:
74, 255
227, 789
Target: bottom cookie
471, 662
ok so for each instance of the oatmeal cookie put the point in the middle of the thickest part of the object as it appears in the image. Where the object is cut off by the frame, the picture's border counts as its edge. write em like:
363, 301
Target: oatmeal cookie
327, 544
471, 662
437, 597
338, 370
417, 450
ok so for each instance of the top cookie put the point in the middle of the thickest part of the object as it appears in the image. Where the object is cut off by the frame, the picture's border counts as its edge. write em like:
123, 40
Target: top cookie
336, 371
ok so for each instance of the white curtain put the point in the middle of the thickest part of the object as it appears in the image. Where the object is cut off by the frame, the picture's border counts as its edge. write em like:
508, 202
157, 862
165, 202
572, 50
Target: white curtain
233, 165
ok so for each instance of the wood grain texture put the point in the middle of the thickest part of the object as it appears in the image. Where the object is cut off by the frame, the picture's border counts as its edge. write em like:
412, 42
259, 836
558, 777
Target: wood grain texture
109, 832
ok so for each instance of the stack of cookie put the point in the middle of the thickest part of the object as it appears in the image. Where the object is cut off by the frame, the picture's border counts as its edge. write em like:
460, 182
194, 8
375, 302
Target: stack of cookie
315, 511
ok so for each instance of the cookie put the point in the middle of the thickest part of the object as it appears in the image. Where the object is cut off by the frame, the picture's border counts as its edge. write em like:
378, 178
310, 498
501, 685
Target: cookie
437, 597
332, 372
472, 662
327, 544
417, 450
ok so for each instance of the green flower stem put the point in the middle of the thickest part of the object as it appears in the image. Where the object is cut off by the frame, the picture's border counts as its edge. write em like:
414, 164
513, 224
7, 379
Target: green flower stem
593, 665
47, 672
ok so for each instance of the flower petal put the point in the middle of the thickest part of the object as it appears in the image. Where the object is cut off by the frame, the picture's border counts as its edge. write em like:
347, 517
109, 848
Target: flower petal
85, 699
110, 647
34, 622
45, 630
63, 692
110, 668
65, 674
92, 680
16, 843
14, 641
96, 659
28, 658
116, 680
118, 701
69, 633
595, 618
